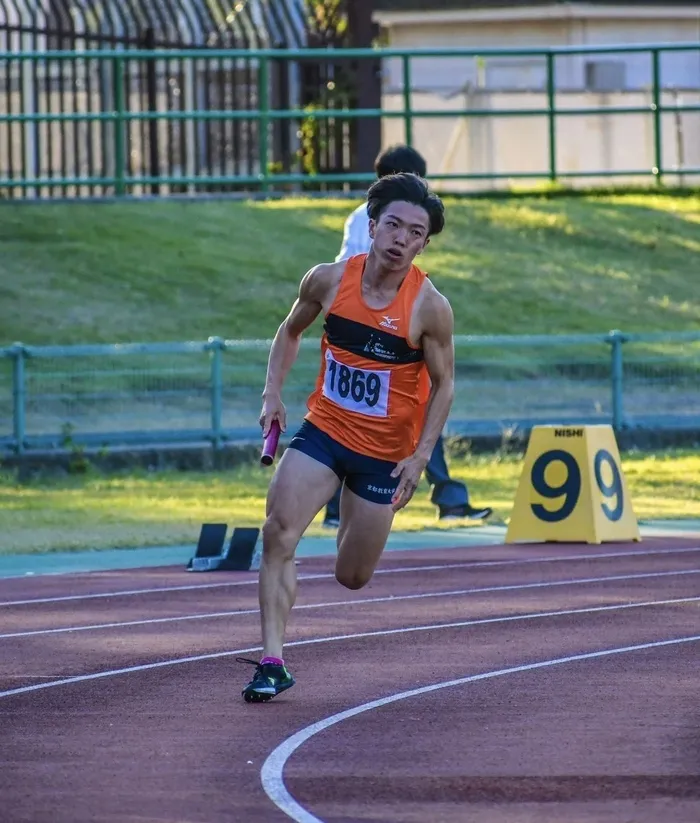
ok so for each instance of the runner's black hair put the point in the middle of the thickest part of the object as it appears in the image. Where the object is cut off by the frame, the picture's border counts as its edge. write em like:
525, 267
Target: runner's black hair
407, 188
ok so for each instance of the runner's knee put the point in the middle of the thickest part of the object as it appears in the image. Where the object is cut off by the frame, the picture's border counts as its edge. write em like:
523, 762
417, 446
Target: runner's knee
280, 536
352, 578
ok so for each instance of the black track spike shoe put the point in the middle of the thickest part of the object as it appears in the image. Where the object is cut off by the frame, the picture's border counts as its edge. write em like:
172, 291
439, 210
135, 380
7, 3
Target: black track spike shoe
268, 681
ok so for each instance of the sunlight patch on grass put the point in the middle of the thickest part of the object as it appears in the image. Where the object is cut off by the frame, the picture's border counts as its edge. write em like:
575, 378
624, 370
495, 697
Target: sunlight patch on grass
515, 216
332, 222
151, 509
167, 270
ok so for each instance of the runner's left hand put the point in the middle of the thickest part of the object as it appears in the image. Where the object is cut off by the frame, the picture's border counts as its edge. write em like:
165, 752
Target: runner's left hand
409, 470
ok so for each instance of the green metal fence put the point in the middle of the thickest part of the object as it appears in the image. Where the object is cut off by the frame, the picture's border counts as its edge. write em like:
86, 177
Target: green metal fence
113, 124
101, 396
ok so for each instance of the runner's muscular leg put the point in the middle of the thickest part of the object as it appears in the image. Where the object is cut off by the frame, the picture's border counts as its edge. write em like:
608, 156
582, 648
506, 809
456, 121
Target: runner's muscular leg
364, 529
300, 488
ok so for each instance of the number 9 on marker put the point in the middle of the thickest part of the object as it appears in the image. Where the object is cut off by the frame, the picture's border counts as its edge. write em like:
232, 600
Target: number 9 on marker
568, 491
572, 489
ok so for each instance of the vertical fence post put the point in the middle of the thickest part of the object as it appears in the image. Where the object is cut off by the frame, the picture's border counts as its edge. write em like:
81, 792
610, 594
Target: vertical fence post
150, 68
30, 131
216, 346
616, 340
407, 106
552, 116
18, 354
656, 109
263, 118
119, 141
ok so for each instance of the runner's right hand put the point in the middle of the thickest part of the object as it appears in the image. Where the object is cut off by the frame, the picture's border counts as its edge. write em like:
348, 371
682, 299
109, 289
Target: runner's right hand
273, 409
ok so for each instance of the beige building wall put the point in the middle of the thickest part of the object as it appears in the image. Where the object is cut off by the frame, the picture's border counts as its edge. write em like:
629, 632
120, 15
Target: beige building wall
541, 27
509, 145
585, 144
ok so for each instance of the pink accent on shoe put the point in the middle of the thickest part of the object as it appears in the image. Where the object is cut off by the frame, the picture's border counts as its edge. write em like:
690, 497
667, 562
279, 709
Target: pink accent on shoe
277, 661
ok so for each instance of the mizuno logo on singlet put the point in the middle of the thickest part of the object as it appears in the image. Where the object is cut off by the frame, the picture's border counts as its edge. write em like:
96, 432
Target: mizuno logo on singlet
389, 322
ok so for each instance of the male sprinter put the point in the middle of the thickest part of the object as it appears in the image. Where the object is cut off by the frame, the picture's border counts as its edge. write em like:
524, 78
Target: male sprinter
451, 497
382, 397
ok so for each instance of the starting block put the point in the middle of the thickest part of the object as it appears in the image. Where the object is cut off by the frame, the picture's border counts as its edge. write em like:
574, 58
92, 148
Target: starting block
572, 489
242, 554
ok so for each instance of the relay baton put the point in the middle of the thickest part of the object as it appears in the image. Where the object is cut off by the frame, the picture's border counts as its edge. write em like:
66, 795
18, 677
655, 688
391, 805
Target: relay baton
269, 450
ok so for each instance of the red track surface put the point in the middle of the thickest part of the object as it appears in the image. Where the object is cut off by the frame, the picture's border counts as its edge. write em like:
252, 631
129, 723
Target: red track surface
611, 738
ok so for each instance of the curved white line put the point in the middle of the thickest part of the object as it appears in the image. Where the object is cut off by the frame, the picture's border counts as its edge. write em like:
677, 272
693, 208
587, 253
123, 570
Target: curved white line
327, 576
272, 770
339, 637
356, 602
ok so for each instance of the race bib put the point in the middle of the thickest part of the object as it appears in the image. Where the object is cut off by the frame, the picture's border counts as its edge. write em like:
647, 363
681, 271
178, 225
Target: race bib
358, 390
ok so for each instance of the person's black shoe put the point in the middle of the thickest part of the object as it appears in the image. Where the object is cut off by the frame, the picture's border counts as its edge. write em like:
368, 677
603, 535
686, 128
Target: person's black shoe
268, 681
478, 514
459, 512
331, 521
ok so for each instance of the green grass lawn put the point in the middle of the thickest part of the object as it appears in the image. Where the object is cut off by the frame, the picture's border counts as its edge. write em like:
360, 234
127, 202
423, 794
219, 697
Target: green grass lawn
142, 509
165, 271
171, 270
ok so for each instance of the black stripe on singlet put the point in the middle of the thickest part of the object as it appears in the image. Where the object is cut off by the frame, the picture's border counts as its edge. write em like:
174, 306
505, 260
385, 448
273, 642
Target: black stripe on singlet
368, 342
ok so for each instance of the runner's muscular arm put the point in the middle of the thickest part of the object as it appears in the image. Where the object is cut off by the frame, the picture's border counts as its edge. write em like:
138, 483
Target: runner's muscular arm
438, 352
285, 346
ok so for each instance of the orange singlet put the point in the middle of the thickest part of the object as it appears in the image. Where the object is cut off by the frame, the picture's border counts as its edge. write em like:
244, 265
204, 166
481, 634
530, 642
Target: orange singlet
373, 385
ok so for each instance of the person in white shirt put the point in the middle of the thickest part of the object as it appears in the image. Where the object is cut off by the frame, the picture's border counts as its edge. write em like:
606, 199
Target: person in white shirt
356, 238
450, 496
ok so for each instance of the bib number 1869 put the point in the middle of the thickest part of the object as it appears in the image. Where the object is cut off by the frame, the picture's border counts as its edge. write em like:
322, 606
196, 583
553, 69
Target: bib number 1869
359, 390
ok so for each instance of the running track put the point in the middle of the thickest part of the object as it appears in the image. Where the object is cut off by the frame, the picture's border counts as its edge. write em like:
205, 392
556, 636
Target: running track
533, 683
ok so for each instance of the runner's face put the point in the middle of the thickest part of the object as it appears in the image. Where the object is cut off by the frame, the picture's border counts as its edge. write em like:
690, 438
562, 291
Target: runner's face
400, 233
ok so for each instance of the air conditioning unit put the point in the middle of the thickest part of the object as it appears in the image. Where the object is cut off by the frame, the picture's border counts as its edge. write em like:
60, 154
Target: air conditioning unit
605, 75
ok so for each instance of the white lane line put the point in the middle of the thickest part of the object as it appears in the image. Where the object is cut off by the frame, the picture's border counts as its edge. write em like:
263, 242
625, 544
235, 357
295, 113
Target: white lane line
356, 602
341, 637
272, 770
25, 676
475, 564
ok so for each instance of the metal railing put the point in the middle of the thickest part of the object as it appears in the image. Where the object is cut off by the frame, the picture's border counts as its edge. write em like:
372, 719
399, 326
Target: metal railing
115, 123
67, 149
108, 395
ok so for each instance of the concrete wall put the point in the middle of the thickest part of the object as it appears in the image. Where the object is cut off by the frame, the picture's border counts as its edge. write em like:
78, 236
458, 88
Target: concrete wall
474, 31
505, 145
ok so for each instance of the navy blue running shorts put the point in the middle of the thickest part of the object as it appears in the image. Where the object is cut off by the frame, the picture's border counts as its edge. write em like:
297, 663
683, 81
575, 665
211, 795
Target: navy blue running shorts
367, 477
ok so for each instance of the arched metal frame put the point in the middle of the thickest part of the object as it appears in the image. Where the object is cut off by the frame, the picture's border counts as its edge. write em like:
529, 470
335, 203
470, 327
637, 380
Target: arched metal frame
82, 150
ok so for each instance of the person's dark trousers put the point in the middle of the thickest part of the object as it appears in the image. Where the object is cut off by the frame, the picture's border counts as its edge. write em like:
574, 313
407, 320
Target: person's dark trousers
332, 515
447, 493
